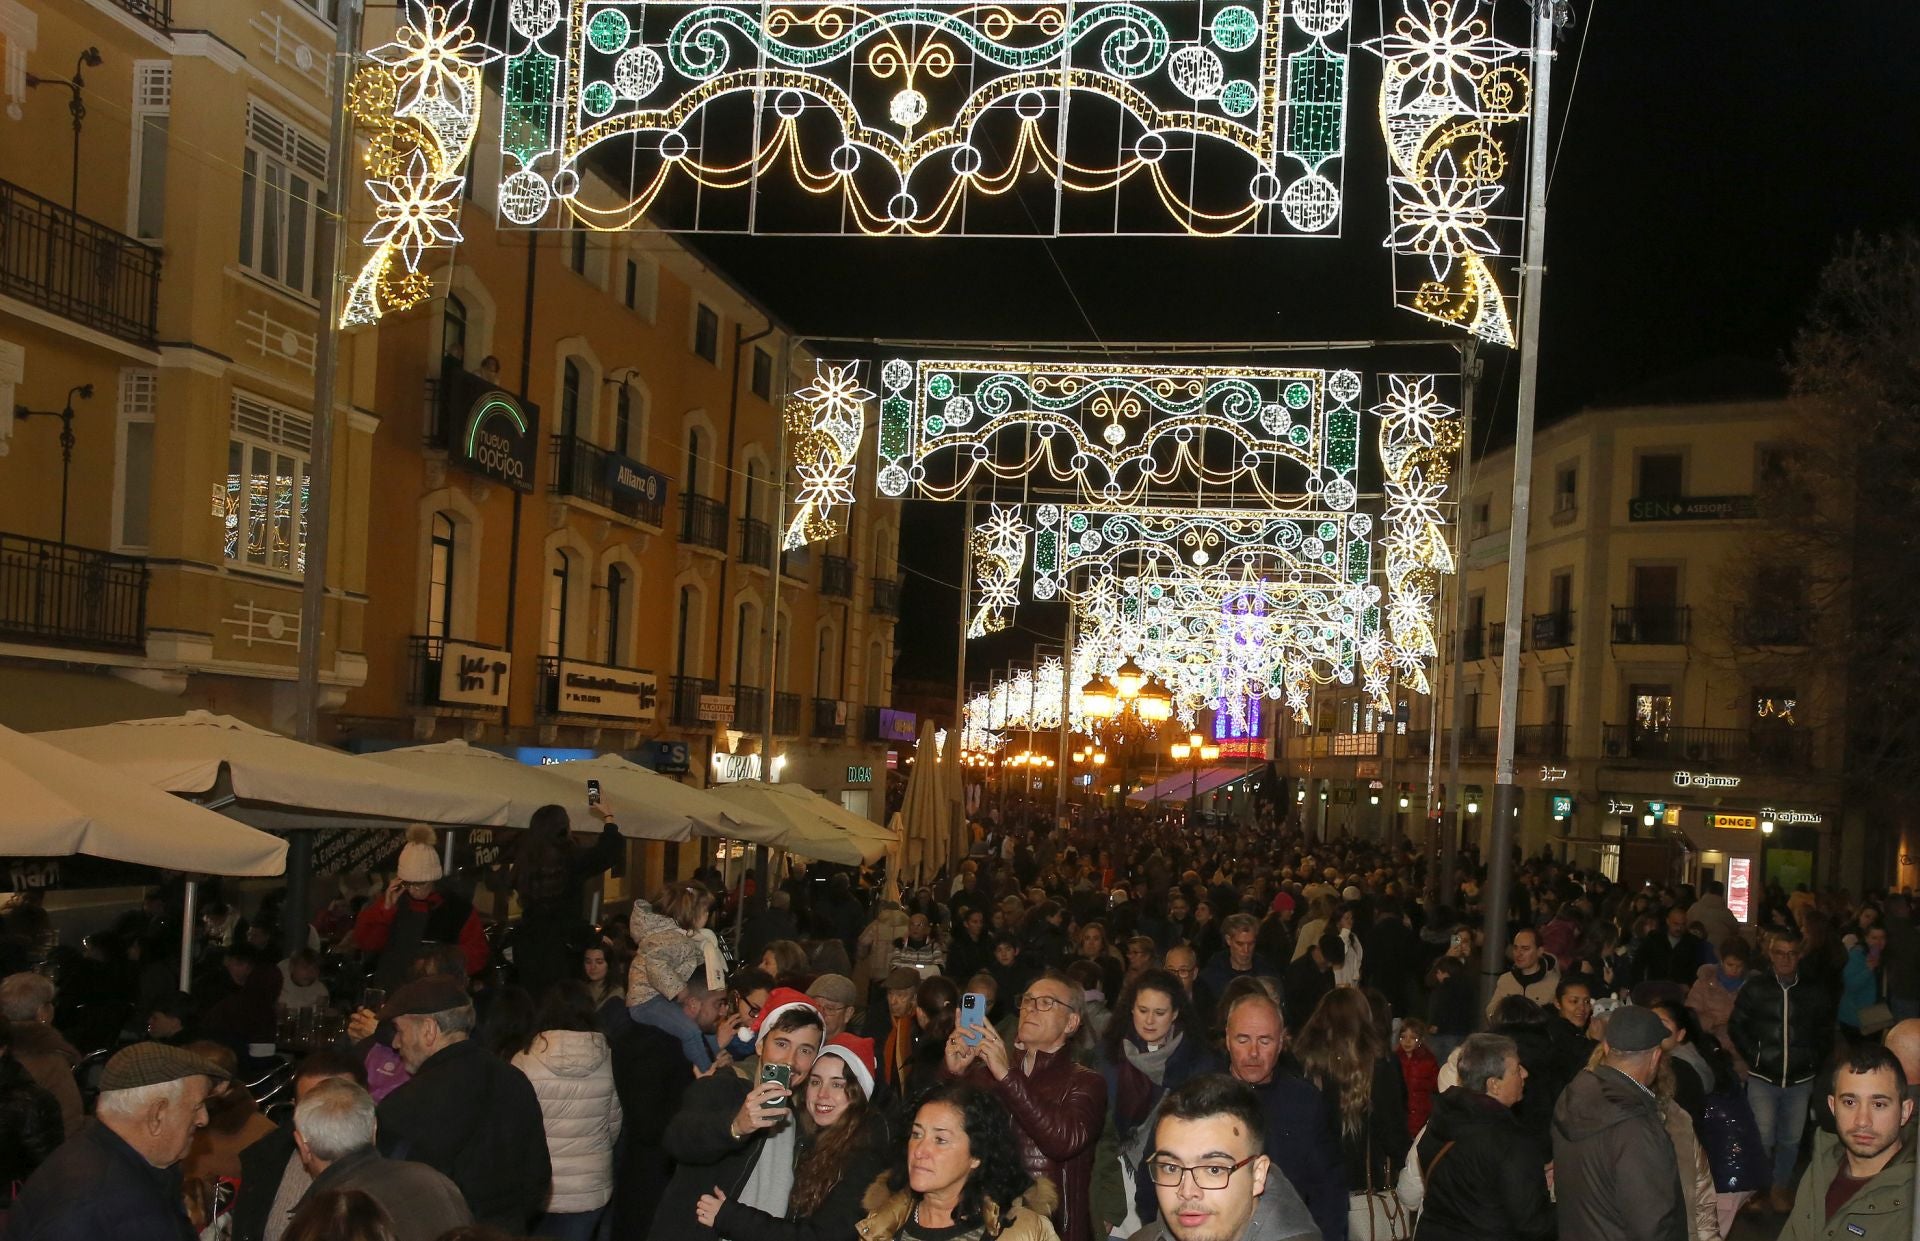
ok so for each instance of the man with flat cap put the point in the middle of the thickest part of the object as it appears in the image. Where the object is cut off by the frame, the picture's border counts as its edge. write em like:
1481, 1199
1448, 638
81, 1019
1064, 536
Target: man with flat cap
1616, 1177
117, 1179
465, 1112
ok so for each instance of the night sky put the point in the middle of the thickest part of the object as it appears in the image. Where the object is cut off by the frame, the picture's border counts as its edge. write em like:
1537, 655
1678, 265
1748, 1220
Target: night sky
1712, 154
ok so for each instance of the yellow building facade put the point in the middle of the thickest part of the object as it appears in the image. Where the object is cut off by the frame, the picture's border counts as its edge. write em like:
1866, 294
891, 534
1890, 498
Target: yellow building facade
1668, 664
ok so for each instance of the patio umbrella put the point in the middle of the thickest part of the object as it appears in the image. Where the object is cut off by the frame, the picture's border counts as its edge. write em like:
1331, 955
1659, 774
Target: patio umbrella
647, 805
924, 812
811, 825
277, 781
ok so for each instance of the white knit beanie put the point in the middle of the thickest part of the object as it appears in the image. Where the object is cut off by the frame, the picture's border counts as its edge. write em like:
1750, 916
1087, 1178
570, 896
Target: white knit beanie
419, 859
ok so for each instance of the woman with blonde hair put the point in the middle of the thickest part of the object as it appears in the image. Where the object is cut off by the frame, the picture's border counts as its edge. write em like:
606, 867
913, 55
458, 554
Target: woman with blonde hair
1341, 1050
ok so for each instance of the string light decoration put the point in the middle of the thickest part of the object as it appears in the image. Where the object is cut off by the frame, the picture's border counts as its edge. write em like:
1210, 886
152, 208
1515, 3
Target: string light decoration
824, 421
419, 101
1419, 436
1118, 431
1294, 550
999, 557
1453, 97
930, 116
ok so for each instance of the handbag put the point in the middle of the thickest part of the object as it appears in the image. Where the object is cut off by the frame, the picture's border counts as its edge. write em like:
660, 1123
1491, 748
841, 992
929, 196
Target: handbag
1378, 1214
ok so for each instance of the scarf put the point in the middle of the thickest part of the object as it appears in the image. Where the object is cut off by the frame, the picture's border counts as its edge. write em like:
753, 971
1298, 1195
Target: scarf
1153, 1063
770, 1183
1140, 1085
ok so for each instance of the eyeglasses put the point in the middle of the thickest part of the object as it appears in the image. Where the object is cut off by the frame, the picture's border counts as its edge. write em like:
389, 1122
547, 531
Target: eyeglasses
1040, 1003
1169, 1174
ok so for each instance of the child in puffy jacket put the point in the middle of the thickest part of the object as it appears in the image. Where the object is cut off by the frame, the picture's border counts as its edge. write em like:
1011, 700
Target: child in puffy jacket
1419, 1070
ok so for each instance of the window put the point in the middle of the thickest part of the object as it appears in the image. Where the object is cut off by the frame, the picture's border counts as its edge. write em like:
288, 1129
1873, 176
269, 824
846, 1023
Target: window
1652, 710
281, 175
683, 629
1557, 706
559, 586
616, 615
133, 472
693, 461
1773, 707
640, 286
453, 336
743, 632
1662, 476
570, 400
706, 331
1482, 518
152, 101
267, 482
623, 421
1566, 489
762, 374
440, 578
1560, 593
825, 683
577, 250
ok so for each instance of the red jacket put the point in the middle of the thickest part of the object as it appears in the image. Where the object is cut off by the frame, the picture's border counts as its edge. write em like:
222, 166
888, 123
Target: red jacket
1420, 1071
374, 926
1058, 1113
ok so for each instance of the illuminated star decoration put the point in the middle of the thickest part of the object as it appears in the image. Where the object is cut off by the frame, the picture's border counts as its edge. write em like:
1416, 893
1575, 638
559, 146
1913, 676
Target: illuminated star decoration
1452, 98
1419, 434
999, 557
825, 420
419, 98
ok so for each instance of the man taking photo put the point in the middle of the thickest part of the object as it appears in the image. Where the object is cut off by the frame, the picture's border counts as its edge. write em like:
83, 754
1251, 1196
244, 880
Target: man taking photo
1210, 1170
1859, 1182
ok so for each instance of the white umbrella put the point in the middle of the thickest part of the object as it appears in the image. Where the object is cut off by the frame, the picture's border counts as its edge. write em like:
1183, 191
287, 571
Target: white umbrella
643, 811
647, 796
199, 752
812, 826
54, 804
924, 812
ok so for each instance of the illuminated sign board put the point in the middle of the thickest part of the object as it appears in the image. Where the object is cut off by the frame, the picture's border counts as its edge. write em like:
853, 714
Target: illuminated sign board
1562, 805
1703, 780
487, 430
1740, 887
1786, 817
1734, 822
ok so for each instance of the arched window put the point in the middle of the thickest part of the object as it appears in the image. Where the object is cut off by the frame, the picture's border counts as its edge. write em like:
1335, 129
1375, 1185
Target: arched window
623, 421
825, 683
570, 401
693, 461
745, 632
617, 589
686, 623
440, 578
453, 336
559, 581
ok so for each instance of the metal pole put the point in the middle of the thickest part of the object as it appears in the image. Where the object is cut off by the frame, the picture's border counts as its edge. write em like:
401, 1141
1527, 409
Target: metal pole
1506, 799
313, 585
960, 675
779, 534
1470, 368
1066, 726
189, 913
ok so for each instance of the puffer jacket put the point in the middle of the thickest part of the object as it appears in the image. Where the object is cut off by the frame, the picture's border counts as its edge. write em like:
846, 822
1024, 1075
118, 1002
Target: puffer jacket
888, 1211
1614, 1170
572, 1075
1783, 1032
648, 929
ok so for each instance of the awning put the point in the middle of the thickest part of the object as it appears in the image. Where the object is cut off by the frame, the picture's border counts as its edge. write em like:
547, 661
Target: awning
1182, 786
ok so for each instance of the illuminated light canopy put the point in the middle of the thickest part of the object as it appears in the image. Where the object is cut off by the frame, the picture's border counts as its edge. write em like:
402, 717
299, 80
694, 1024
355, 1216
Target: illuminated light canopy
999, 558
1298, 549
935, 116
1453, 97
1118, 431
419, 101
824, 424
1419, 436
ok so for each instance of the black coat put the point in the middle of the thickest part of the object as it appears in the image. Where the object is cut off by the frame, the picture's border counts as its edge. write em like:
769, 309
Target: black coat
1656, 960
1615, 1175
30, 1126
1374, 1156
1301, 988
700, 1141
98, 1188
1301, 1129
1546, 1078
1783, 1033
651, 1075
474, 1118
1492, 1184
262, 1167
836, 1215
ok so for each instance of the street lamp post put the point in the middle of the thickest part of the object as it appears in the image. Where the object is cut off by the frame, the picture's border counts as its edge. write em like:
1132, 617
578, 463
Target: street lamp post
1194, 748
76, 108
65, 415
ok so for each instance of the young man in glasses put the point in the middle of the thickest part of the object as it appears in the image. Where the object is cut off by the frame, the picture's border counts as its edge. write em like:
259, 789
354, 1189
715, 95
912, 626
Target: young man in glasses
1058, 1106
1210, 1173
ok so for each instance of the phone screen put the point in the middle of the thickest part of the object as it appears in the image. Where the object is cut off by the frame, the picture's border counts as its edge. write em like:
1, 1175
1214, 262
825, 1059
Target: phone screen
973, 1015
593, 792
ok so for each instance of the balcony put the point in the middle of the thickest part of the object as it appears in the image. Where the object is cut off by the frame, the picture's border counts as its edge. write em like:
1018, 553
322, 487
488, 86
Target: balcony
1774, 626
156, 13
1496, 639
703, 522
686, 693
1788, 749
795, 563
886, 596
56, 594
786, 714
829, 719
749, 708
1541, 741
756, 543
836, 577
606, 478
1550, 630
424, 655
549, 702
60, 261
1651, 626
1473, 643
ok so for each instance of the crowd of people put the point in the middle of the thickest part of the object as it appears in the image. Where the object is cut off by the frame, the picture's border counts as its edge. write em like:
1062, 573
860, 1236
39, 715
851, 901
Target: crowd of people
1123, 1026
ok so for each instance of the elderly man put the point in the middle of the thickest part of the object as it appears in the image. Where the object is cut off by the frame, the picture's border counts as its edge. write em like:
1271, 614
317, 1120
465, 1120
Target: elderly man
1859, 1182
1534, 973
834, 996
465, 1111
1485, 1175
1299, 1120
1238, 959
273, 1178
333, 1128
1211, 1173
26, 1001
116, 1181
1616, 1175
1058, 1106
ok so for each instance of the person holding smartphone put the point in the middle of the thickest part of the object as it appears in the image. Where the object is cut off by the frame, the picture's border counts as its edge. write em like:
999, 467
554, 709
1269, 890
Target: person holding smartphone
734, 1133
549, 871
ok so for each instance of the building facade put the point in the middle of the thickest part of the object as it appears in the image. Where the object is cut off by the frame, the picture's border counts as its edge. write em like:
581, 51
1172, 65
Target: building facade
1671, 699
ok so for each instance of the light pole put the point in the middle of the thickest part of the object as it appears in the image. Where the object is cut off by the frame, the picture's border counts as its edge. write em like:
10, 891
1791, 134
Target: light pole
65, 415
76, 108
1194, 748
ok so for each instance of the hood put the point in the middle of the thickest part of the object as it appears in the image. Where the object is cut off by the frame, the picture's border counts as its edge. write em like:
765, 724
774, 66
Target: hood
570, 1053
1597, 1100
1458, 1111
1709, 974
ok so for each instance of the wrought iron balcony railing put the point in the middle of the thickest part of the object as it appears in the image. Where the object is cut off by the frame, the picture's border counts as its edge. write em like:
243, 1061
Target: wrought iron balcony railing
836, 577
687, 692
1647, 625
703, 522
829, 719
786, 714
56, 594
63, 262
586, 470
886, 596
756, 543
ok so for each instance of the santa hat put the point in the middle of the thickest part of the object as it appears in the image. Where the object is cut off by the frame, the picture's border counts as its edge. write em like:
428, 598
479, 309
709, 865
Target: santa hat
857, 1054
783, 1000
419, 859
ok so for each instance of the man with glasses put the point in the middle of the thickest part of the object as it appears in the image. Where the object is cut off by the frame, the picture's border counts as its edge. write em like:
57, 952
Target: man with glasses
1211, 1174
1058, 1106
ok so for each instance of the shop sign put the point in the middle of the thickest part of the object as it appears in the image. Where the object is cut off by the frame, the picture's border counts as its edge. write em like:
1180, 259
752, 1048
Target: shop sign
1365, 770
669, 758
1734, 822
859, 775
489, 431
732, 768
1615, 806
1246, 747
1693, 508
628, 480
1552, 774
896, 725
1786, 818
1703, 780
1354, 745
474, 676
549, 756
617, 693
1562, 805
343, 850
716, 708
1740, 887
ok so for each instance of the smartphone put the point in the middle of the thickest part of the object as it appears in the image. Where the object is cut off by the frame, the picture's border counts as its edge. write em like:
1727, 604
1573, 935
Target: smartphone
373, 999
782, 1073
593, 792
973, 1016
